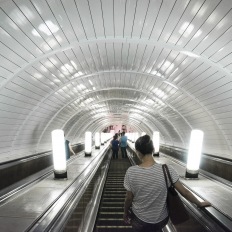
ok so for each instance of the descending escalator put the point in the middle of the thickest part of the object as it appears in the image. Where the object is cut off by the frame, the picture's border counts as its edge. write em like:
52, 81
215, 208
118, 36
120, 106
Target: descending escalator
101, 204
110, 214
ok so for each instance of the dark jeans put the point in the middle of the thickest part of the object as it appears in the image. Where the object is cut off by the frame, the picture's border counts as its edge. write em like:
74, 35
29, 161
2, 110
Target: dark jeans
141, 226
124, 153
115, 154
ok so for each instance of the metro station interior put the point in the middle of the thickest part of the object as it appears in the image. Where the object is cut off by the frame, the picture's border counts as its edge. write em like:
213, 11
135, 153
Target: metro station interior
139, 66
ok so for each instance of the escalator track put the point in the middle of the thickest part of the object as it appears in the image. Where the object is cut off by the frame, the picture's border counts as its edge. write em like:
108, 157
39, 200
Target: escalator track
110, 214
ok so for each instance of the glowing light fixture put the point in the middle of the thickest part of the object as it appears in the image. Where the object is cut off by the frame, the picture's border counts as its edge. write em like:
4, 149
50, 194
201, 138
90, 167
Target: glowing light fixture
191, 54
58, 151
156, 142
48, 28
102, 138
88, 143
136, 136
143, 133
97, 140
194, 154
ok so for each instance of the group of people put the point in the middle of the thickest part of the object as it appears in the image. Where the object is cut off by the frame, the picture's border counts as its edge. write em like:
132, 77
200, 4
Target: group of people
145, 206
119, 141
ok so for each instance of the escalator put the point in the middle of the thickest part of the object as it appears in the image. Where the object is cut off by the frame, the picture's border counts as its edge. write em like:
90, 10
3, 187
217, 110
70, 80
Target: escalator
110, 214
100, 207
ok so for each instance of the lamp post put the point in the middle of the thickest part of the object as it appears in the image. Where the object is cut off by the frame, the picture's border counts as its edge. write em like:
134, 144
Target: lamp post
97, 140
194, 154
58, 151
156, 142
102, 138
136, 136
88, 143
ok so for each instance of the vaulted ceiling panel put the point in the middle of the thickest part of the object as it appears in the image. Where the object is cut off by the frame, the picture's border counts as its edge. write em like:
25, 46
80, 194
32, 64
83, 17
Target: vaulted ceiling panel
85, 64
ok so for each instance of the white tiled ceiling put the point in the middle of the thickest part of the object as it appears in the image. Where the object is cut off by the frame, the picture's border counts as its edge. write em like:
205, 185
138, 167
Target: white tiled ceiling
84, 64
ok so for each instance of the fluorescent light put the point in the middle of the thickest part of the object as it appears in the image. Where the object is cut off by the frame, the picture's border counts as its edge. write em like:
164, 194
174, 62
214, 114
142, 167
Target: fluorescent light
186, 29
59, 157
48, 28
156, 141
102, 138
97, 140
88, 143
194, 154
190, 54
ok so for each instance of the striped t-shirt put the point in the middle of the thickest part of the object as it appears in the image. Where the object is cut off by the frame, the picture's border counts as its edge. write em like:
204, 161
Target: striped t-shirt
150, 192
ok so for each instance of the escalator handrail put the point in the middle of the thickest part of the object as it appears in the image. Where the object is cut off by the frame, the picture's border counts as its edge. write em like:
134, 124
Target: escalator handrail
56, 209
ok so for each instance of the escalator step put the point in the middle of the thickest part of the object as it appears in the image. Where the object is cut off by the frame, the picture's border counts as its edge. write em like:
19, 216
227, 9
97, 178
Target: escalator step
115, 176
115, 193
114, 228
115, 188
112, 208
111, 222
111, 214
119, 189
114, 184
112, 205
112, 202
114, 198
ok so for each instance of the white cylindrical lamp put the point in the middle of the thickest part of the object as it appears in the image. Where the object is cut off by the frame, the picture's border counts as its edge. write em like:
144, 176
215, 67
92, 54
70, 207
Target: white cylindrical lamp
194, 154
58, 151
136, 136
156, 142
97, 140
102, 138
88, 143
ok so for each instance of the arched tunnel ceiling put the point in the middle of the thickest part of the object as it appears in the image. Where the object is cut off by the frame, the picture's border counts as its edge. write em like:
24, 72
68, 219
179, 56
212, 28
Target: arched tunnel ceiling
85, 64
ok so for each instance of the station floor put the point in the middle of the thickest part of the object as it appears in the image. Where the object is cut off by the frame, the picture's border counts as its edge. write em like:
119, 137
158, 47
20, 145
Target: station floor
19, 211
